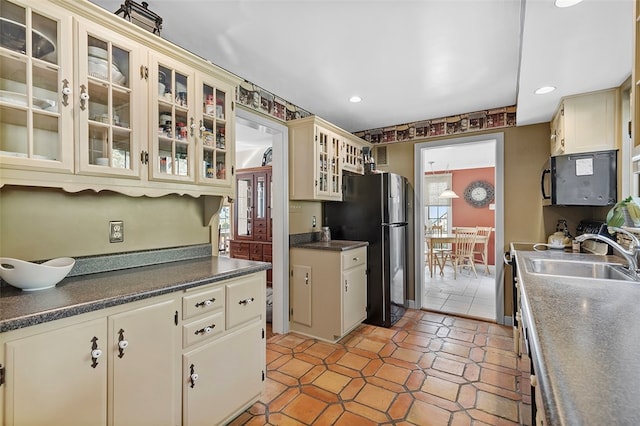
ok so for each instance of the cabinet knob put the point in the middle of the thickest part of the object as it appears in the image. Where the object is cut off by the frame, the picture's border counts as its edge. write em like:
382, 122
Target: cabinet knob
534, 380
84, 97
96, 353
123, 344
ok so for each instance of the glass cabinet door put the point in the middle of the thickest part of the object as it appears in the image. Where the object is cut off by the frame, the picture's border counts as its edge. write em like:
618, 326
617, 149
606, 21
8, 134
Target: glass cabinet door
244, 207
214, 150
35, 117
322, 145
174, 126
106, 101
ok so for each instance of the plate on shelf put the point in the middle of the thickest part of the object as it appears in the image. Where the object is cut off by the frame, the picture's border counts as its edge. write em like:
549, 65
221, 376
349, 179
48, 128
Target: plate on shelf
97, 52
13, 37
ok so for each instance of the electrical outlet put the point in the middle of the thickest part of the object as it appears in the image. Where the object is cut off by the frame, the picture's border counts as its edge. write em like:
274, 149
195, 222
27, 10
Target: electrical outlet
116, 231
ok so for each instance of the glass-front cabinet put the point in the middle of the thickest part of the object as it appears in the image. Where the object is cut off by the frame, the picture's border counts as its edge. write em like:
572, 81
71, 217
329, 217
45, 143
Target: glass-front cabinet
214, 154
173, 138
35, 93
329, 172
107, 105
109, 101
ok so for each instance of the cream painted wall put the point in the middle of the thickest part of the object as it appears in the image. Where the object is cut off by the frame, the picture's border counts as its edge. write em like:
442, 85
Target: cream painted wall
40, 223
301, 216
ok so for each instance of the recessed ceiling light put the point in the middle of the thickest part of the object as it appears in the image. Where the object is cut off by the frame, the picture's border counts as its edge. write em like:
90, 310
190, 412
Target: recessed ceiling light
355, 99
545, 89
566, 3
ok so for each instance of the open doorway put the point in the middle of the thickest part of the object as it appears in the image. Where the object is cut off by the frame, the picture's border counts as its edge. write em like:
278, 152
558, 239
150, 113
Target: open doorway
255, 135
472, 167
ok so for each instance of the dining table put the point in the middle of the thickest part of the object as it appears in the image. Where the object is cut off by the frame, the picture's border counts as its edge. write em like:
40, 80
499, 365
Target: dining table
439, 239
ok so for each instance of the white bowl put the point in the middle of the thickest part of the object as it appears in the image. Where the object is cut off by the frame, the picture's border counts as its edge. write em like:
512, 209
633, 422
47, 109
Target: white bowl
98, 52
30, 276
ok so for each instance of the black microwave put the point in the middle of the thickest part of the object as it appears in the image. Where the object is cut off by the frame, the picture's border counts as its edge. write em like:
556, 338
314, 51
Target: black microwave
581, 179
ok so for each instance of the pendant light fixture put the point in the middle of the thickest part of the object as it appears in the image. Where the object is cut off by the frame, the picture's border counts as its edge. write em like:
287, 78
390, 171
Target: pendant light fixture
447, 193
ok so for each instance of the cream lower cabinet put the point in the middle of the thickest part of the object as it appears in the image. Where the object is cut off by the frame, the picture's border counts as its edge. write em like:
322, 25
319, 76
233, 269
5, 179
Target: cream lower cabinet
195, 358
223, 363
328, 291
114, 370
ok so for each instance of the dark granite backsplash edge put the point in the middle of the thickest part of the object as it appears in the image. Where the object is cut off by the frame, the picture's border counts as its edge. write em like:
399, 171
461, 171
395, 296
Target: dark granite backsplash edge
308, 237
116, 261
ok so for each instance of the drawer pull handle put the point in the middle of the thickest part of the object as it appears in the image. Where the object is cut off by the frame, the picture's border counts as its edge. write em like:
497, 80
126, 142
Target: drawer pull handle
205, 330
246, 301
207, 302
355, 259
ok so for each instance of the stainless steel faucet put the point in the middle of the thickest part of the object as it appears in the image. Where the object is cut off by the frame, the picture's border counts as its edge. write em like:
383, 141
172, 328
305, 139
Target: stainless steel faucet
632, 255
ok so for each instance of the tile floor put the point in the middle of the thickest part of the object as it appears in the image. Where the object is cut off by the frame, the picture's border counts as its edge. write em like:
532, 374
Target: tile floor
466, 295
429, 369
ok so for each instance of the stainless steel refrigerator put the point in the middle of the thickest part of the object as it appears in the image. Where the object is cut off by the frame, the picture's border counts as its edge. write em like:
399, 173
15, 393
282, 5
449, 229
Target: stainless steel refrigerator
374, 209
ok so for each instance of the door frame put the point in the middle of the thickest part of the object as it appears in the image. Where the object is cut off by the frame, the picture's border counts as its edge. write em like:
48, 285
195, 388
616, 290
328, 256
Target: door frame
499, 215
279, 212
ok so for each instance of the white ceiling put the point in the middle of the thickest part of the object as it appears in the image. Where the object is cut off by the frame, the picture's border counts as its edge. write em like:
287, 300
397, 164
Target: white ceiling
409, 60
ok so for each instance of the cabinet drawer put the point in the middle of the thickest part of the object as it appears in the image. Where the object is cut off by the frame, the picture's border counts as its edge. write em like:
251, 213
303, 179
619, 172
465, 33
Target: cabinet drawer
255, 252
245, 299
203, 302
355, 257
267, 250
239, 250
203, 329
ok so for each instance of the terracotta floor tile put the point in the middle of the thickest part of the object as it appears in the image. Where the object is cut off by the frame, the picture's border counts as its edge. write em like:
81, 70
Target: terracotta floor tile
496, 378
449, 366
329, 416
393, 374
331, 381
354, 361
352, 389
400, 406
370, 345
429, 369
350, 419
375, 397
497, 405
375, 415
407, 355
456, 349
320, 394
295, 368
422, 413
441, 388
304, 408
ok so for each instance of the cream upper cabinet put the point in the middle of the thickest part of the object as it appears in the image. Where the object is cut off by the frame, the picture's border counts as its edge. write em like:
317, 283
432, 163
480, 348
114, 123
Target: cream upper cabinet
173, 143
215, 154
36, 88
107, 105
586, 122
318, 154
109, 94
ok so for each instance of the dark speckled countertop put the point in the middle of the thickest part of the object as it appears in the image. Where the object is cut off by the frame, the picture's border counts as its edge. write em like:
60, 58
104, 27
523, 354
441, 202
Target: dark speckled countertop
85, 293
585, 339
333, 245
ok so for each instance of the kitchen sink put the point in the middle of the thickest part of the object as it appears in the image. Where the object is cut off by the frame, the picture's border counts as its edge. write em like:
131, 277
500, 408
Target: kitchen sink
578, 269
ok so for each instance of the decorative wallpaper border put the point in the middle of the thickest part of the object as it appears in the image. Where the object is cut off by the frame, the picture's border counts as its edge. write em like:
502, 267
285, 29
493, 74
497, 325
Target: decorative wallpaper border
261, 100
452, 125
